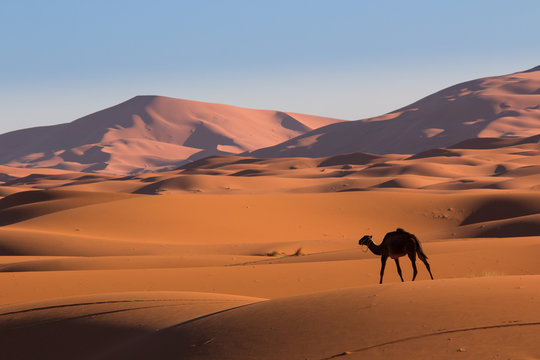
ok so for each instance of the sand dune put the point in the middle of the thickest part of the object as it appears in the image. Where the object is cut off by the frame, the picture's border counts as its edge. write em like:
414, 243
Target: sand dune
154, 133
65, 243
86, 327
474, 164
262, 275
442, 319
250, 219
370, 322
498, 107
94, 268
151, 133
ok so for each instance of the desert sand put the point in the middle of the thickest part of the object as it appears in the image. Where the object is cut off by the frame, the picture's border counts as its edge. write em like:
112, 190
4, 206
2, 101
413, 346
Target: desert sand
505, 106
233, 256
240, 258
151, 133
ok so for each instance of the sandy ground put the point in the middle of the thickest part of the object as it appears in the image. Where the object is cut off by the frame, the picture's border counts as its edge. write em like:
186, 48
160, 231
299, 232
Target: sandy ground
241, 258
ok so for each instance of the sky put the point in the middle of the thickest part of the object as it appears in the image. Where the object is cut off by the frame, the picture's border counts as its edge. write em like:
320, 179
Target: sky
61, 60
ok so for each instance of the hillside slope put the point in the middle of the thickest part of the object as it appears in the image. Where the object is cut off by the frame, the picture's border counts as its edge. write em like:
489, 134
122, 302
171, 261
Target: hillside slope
151, 133
501, 106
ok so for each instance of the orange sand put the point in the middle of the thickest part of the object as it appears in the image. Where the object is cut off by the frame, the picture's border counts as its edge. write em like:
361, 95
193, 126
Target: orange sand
95, 267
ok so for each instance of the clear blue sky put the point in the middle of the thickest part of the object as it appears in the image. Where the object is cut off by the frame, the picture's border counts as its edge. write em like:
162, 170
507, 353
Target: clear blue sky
61, 60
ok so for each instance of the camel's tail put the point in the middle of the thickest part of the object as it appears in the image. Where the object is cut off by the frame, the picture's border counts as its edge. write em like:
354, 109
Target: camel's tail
419, 250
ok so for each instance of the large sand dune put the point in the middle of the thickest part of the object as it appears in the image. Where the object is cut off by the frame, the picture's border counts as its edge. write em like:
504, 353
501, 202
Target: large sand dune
499, 106
151, 133
443, 319
365, 323
155, 133
96, 326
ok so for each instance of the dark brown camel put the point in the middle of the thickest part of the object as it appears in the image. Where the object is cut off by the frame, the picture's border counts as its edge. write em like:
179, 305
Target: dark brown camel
396, 244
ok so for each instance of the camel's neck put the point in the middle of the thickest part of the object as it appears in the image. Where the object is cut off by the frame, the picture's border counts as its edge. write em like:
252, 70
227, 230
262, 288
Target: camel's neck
376, 249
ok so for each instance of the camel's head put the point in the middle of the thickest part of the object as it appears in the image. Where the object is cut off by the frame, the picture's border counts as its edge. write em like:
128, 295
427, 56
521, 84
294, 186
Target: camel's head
365, 240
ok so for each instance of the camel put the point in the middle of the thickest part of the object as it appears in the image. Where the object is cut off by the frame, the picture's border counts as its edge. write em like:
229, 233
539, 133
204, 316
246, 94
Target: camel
396, 244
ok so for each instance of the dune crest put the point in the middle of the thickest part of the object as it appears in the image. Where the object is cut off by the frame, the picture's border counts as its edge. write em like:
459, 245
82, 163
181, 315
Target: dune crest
505, 106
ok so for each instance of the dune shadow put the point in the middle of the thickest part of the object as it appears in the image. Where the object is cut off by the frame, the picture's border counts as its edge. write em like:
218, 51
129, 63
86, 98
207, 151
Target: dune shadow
65, 338
522, 227
349, 159
499, 209
249, 172
434, 153
26, 205
288, 122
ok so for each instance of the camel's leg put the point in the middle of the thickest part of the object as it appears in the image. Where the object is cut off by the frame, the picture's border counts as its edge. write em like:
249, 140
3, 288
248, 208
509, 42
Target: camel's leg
427, 267
412, 256
398, 269
383, 264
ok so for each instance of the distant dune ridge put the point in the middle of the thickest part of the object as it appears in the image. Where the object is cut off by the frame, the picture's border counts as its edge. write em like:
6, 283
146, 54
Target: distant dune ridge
500, 106
480, 163
151, 133
155, 133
